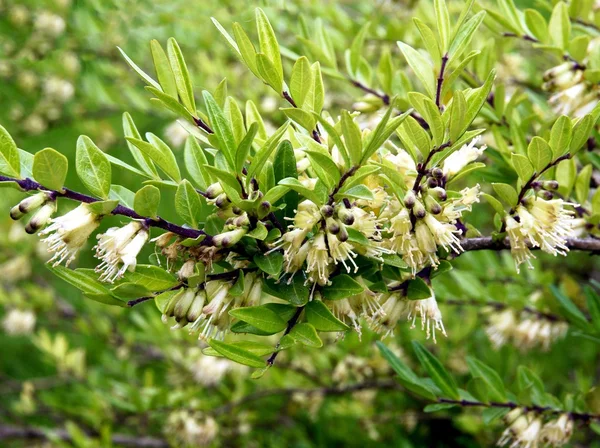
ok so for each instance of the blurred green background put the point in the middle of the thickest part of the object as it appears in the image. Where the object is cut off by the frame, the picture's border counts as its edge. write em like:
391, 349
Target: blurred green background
102, 376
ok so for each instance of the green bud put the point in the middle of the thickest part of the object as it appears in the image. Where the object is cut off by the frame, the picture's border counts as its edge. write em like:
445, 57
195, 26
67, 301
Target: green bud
41, 217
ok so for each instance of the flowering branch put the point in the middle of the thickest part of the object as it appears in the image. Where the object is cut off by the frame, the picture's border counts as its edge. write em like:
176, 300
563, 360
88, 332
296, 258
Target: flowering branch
31, 185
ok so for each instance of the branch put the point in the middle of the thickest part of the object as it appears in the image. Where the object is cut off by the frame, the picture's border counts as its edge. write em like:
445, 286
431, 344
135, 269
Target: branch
440, 81
532, 408
290, 325
8, 432
422, 167
528, 38
488, 243
31, 185
315, 133
534, 176
503, 306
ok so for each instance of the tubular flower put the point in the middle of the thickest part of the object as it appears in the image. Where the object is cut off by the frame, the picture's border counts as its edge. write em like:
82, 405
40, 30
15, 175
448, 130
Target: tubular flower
456, 161
429, 313
391, 310
67, 234
318, 260
444, 234
557, 432
341, 252
517, 238
523, 431
120, 246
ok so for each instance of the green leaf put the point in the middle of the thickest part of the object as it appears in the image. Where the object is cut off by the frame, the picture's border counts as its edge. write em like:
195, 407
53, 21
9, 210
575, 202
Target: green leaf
103, 207
269, 46
128, 291
306, 334
84, 279
187, 203
268, 72
321, 318
539, 153
581, 133
236, 353
260, 317
324, 166
342, 286
163, 69
146, 201
272, 264
294, 291
537, 25
560, 26
522, 166
139, 71
195, 161
93, 168
443, 22
228, 182
582, 184
221, 127
296, 185
421, 66
152, 277
495, 386
263, 154
429, 39
506, 193
358, 192
122, 194
406, 376
465, 35
436, 371
560, 136
593, 305
50, 168
570, 310
183, 81
160, 153
418, 289
253, 347
244, 147
356, 51
143, 161
171, 104
438, 407
301, 81
245, 48
352, 137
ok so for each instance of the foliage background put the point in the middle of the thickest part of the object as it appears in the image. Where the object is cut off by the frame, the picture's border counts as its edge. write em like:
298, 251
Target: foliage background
100, 373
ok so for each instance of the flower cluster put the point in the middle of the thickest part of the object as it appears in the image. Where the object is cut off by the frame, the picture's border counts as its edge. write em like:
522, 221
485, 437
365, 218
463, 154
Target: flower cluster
526, 331
528, 430
207, 307
572, 95
542, 223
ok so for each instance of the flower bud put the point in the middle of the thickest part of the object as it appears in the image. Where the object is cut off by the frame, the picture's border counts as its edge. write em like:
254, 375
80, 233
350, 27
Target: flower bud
183, 304
410, 199
41, 218
327, 211
432, 182
432, 206
28, 204
418, 210
163, 240
228, 239
544, 194
346, 216
170, 308
550, 185
343, 234
214, 190
437, 173
187, 270
439, 193
222, 201
195, 309
333, 226
264, 209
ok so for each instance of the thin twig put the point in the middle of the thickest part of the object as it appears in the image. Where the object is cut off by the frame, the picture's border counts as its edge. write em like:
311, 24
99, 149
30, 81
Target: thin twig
290, 325
31, 185
440, 81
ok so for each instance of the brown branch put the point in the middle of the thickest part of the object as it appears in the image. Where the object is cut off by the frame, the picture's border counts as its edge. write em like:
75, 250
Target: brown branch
488, 243
315, 132
8, 432
290, 325
31, 185
440, 81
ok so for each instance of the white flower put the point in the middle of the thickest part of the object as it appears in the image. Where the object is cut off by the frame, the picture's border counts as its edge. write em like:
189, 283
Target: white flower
456, 161
120, 246
557, 432
386, 320
209, 370
50, 24
501, 327
444, 234
318, 260
426, 242
518, 243
59, 89
429, 313
523, 430
176, 134
548, 224
17, 322
341, 252
68, 233
402, 161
